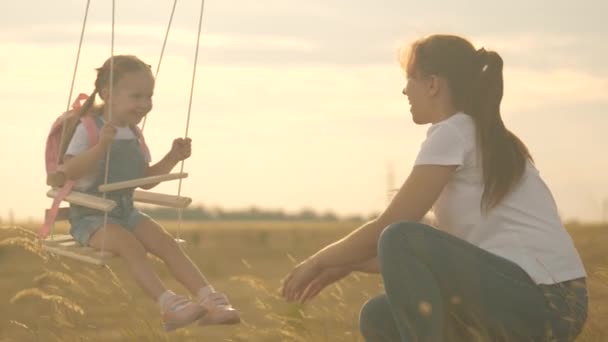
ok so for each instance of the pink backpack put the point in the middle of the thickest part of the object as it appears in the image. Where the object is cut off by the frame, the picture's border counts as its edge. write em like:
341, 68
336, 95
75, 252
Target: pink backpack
56, 145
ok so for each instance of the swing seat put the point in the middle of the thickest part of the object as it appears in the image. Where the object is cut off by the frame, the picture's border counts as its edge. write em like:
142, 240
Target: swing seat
178, 202
65, 245
142, 181
85, 200
94, 202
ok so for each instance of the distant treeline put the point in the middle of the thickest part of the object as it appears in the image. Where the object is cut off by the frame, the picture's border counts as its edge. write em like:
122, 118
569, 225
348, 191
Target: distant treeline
199, 213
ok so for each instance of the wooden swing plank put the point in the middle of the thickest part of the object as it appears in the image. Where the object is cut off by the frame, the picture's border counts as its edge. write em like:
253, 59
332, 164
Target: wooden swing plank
92, 257
65, 245
161, 199
72, 243
85, 200
60, 238
141, 181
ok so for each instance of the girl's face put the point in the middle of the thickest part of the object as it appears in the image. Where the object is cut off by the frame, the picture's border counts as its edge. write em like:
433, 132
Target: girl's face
419, 91
132, 97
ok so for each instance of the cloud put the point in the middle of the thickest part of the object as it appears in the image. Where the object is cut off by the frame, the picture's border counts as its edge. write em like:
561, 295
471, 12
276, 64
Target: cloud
527, 89
312, 90
99, 35
543, 50
284, 32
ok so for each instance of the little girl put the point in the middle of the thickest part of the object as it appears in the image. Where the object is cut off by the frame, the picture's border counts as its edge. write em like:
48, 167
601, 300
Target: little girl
129, 233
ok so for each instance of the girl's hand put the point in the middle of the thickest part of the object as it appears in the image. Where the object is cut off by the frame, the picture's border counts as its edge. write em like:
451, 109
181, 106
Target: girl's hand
106, 135
299, 279
181, 149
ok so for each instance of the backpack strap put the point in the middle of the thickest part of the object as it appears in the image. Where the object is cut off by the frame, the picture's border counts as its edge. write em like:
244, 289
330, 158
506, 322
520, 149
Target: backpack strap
91, 127
55, 143
51, 216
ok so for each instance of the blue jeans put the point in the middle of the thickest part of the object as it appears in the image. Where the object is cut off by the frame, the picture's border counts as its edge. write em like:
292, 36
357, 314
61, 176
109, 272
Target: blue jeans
441, 288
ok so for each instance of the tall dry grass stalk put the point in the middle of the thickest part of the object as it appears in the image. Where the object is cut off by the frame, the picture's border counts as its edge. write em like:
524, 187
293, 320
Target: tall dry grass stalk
47, 298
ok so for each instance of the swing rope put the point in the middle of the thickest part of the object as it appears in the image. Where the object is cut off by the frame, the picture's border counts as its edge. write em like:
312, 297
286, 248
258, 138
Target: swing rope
84, 24
200, 22
162, 53
111, 90
111, 86
198, 38
64, 127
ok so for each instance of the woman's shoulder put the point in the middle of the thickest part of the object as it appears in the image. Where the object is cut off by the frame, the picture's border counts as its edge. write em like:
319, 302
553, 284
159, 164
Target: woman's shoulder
459, 124
459, 120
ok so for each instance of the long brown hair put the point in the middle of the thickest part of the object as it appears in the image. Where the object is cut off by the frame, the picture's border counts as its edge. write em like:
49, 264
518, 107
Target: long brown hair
476, 84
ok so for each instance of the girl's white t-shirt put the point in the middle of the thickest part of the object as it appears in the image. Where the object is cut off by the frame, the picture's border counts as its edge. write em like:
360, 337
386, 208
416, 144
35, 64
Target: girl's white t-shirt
524, 227
80, 143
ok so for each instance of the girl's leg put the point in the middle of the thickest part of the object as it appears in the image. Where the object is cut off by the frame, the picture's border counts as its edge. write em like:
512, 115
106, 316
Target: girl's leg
156, 240
176, 310
121, 242
435, 282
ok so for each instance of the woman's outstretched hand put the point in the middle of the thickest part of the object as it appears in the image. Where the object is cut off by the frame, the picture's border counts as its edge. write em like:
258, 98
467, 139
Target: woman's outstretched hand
308, 279
325, 278
299, 278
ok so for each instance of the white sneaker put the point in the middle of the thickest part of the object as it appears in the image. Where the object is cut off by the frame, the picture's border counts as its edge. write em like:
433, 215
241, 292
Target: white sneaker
218, 310
179, 311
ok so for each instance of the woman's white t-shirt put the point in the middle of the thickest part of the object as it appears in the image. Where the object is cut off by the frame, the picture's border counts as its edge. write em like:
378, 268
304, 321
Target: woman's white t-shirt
524, 227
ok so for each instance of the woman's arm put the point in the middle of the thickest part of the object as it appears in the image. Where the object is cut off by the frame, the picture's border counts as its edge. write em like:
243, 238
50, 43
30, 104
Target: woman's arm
368, 266
411, 203
413, 200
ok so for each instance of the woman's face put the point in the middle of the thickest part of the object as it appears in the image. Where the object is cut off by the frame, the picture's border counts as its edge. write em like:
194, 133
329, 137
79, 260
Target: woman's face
418, 91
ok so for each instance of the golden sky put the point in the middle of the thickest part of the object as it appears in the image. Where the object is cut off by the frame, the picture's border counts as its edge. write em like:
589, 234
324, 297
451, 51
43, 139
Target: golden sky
298, 104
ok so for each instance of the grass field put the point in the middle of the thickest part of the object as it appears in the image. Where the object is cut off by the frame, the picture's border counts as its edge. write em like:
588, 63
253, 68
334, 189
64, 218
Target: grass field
46, 298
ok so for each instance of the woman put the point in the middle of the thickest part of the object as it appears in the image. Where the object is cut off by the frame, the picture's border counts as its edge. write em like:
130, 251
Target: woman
499, 264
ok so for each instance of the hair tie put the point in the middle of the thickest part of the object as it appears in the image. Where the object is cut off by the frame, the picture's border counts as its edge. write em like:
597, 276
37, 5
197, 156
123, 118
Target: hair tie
482, 57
